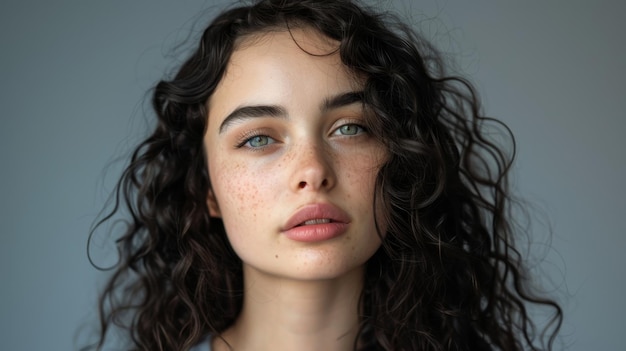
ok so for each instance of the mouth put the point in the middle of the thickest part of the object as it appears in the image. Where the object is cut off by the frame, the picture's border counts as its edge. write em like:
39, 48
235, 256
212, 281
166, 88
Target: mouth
315, 215
315, 221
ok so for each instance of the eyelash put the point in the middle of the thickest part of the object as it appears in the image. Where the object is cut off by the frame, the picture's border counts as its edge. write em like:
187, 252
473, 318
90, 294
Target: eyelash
248, 137
361, 129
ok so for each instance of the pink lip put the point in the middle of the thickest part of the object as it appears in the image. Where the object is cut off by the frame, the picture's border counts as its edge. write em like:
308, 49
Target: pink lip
339, 221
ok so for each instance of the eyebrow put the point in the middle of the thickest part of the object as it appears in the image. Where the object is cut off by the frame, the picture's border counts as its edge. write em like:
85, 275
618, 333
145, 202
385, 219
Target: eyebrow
275, 111
246, 112
341, 100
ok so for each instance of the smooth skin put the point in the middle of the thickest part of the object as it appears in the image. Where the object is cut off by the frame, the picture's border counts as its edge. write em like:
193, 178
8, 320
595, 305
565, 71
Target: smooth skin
285, 131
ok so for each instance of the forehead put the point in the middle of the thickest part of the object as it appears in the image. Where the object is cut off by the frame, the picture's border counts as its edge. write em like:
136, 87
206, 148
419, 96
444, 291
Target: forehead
308, 40
280, 48
264, 64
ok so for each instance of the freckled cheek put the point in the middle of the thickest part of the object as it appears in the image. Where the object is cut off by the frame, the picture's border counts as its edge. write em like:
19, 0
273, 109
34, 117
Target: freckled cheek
245, 193
246, 207
361, 170
240, 194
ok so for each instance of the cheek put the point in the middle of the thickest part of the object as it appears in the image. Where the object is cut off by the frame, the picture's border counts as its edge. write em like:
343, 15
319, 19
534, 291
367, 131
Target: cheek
362, 175
244, 195
361, 171
237, 191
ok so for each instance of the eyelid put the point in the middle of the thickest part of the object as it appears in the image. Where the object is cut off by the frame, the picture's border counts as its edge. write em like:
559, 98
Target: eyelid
246, 136
349, 121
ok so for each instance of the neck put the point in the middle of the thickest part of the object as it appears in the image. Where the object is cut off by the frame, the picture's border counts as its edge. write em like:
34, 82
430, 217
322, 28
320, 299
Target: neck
286, 314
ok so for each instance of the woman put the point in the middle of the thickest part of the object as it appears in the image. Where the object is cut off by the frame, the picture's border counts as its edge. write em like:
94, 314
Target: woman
316, 181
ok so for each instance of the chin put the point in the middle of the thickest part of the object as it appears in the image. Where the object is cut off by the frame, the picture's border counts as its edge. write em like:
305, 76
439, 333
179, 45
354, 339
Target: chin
326, 264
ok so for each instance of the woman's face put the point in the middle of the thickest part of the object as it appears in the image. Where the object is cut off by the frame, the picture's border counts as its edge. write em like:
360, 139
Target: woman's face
292, 167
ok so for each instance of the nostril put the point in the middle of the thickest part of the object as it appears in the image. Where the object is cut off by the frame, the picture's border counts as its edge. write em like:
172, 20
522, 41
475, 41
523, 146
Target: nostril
304, 184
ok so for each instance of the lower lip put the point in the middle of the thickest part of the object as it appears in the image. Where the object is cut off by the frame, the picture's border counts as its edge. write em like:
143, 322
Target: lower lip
316, 232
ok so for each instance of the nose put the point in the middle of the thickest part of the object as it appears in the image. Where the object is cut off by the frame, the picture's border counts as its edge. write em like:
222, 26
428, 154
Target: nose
313, 169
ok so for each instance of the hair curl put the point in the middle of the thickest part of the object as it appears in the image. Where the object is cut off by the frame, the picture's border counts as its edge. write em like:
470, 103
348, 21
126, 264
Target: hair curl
447, 276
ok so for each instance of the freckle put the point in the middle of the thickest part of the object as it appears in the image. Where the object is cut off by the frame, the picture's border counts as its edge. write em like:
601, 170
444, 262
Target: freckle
276, 256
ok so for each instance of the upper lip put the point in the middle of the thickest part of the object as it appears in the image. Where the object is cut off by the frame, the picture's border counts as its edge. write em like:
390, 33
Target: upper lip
317, 211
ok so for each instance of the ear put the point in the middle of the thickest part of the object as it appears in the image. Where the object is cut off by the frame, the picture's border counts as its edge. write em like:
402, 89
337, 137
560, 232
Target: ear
214, 209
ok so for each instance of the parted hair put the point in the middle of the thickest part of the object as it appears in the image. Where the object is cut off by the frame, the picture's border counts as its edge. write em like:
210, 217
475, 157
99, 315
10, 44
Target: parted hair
447, 276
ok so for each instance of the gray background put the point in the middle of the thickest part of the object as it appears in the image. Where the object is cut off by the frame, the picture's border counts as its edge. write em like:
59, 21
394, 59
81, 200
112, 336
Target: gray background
74, 75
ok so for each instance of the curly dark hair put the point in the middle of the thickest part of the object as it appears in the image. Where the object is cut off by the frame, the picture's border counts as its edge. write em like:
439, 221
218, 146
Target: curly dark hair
447, 276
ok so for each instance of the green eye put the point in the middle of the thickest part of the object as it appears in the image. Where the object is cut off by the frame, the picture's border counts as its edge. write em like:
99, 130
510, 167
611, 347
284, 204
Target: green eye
259, 141
350, 129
